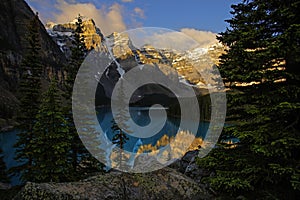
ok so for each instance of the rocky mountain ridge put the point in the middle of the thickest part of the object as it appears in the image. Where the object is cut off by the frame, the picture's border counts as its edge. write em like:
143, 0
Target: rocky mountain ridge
192, 67
14, 19
62, 35
15, 16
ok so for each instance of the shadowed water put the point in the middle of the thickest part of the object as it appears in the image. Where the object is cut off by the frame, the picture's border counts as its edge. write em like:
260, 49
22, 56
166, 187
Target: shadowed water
139, 115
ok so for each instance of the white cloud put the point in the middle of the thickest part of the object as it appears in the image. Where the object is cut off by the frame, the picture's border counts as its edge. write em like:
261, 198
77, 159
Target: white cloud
173, 40
204, 38
127, 1
139, 12
162, 39
186, 39
108, 20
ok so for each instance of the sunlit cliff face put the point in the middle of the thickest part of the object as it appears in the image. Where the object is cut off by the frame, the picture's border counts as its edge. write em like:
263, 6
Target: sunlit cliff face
62, 35
187, 64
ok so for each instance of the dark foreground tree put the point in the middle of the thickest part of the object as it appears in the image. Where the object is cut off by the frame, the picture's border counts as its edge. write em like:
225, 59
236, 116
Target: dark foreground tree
120, 137
81, 158
51, 146
78, 53
3, 171
29, 92
261, 69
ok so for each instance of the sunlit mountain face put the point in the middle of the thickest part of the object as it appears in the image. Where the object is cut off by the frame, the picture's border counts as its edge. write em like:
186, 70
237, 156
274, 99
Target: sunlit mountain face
128, 54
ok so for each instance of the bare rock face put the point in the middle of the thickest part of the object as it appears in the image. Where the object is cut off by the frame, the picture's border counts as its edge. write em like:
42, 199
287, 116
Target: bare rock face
187, 64
188, 166
14, 18
190, 68
92, 34
163, 184
62, 35
120, 45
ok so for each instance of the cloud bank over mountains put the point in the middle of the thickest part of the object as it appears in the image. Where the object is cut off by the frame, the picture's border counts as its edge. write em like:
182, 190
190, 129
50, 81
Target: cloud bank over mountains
204, 38
107, 19
112, 18
127, 1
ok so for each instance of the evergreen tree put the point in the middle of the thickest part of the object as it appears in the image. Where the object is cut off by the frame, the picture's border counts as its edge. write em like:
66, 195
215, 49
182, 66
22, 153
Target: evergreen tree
79, 152
120, 137
77, 57
3, 173
51, 146
30, 87
78, 54
261, 70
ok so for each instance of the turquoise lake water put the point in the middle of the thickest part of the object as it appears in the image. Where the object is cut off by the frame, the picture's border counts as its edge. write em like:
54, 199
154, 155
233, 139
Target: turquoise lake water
139, 115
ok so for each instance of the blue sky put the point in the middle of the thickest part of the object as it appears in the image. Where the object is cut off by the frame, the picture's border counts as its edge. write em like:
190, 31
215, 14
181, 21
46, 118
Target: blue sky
119, 15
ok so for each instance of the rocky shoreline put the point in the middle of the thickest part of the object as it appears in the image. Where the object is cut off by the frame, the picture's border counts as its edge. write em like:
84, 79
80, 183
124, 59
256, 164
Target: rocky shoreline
7, 125
181, 180
166, 183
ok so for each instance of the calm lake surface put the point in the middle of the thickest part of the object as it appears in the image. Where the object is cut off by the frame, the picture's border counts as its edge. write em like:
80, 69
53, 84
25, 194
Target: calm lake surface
138, 114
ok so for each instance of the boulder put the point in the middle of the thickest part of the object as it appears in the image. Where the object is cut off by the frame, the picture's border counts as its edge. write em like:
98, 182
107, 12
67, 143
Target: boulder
188, 166
166, 183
